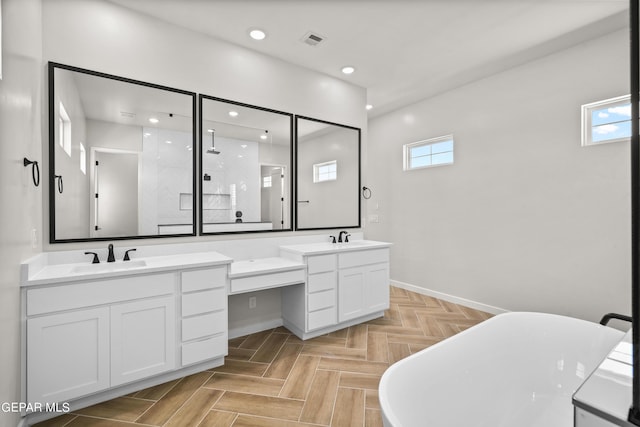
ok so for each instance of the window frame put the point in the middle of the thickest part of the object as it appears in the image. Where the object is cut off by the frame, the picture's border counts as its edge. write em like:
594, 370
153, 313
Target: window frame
587, 119
318, 172
407, 149
64, 123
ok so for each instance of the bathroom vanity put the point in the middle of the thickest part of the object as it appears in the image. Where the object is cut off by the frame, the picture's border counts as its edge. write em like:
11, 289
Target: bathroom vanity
90, 328
92, 332
346, 284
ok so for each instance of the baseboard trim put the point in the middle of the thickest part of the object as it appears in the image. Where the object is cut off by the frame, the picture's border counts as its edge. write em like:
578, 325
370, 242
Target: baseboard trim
255, 327
451, 298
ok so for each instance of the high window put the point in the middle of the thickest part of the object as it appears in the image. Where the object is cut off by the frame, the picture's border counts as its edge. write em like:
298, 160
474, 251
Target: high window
428, 153
65, 130
327, 171
606, 121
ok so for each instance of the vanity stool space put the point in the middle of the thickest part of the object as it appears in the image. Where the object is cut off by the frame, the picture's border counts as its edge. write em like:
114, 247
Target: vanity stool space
346, 284
120, 327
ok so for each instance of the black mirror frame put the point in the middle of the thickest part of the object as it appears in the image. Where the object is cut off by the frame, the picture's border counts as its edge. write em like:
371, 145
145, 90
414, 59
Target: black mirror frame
356, 189
292, 171
52, 66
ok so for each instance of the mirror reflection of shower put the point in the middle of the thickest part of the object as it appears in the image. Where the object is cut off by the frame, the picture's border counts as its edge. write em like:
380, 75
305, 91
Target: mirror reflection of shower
241, 147
212, 150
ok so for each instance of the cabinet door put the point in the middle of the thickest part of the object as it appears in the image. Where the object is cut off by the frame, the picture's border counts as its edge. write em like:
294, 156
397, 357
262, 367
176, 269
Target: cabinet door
67, 355
142, 339
377, 279
351, 293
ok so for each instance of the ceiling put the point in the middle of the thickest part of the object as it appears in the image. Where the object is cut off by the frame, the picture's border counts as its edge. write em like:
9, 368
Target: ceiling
403, 50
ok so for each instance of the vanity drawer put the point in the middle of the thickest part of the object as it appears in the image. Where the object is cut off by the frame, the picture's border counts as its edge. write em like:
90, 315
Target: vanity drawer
99, 292
321, 318
321, 263
322, 281
203, 302
209, 348
322, 300
266, 281
357, 258
197, 280
203, 325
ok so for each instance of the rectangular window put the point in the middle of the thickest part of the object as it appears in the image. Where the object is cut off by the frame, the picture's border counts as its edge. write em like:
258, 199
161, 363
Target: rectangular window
65, 130
266, 181
327, 171
606, 121
427, 153
83, 159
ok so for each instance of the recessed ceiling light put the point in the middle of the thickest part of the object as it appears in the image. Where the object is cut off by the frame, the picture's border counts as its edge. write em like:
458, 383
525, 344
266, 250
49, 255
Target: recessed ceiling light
210, 130
348, 69
168, 142
368, 107
153, 120
233, 113
263, 136
147, 134
257, 34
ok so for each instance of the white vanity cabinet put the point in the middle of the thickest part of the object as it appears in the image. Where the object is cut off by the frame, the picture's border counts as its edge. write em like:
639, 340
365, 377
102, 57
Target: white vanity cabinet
363, 283
142, 339
344, 286
72, 350
68, 354
203, 314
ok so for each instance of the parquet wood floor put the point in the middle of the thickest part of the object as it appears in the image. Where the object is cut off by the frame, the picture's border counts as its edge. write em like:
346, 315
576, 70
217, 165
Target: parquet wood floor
273, 379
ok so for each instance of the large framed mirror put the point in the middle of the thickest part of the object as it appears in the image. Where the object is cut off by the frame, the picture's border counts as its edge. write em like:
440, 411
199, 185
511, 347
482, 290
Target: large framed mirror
327, 175
121, 156
245, 167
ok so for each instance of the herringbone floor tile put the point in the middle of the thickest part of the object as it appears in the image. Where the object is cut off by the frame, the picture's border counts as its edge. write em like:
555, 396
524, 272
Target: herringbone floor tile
272, 378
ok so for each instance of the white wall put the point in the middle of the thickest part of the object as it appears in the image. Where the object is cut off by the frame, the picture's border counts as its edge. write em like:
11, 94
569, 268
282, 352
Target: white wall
526, 218
21, 109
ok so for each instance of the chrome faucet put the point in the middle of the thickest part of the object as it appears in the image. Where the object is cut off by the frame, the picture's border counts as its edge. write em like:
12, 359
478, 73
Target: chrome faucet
111, 257
346, 237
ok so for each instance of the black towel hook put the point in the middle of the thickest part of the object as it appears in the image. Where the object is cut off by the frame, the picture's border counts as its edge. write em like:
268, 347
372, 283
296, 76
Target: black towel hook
35, 170
60, 184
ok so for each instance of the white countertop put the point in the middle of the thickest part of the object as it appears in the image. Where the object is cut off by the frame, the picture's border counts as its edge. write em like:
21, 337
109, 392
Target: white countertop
326, 247
608, 391
38, 274
254, 267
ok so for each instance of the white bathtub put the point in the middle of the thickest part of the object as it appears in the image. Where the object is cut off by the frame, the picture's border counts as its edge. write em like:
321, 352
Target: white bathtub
515, 369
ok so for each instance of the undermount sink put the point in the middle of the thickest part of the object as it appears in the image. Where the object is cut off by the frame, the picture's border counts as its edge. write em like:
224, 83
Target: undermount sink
107, 267
328, 247
352, 244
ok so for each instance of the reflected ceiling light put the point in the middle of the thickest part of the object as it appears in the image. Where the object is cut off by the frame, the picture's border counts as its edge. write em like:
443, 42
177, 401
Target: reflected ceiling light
368, 107
233, 113
146, 134
257, 34
153, 120
243, 145
168, 142
263, 136
210, 130
348, 69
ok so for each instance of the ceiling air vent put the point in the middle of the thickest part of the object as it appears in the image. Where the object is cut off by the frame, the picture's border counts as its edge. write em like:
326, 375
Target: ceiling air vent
313, 39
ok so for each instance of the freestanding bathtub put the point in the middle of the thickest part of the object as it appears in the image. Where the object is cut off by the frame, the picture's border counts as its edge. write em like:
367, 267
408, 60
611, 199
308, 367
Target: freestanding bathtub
515, 369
